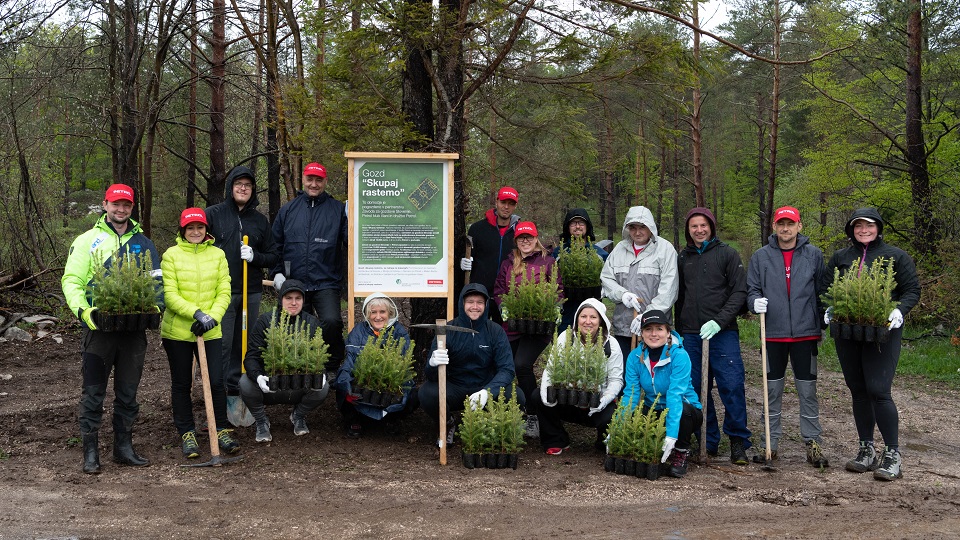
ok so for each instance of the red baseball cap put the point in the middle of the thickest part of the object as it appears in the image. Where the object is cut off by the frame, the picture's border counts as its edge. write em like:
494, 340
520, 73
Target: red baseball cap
119, 192
525, 227
315, 169
786, 212
193, 215
507, 192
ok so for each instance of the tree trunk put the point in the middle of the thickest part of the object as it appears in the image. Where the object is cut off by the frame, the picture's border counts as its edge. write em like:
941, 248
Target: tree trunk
192, 112
761, 171
767, 215
218, 72
926, 229
695, 128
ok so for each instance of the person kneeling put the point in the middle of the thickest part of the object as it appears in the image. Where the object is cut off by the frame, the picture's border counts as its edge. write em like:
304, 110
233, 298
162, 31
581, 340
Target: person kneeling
254, 387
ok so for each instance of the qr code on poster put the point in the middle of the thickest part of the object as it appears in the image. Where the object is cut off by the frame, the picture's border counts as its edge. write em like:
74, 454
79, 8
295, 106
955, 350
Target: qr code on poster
424, 192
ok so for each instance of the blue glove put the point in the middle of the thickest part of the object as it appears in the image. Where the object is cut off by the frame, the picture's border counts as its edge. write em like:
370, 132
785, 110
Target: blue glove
709, 329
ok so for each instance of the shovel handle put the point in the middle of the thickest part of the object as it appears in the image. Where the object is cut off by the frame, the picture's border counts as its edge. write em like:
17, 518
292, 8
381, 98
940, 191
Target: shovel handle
243, 331
208, 399
704, 386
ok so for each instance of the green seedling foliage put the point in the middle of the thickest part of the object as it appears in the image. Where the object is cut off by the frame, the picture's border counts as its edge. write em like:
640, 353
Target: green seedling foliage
291, 349
532, 299
577, 364
126, 286
580, 266
382, 364
863, 297
495, 428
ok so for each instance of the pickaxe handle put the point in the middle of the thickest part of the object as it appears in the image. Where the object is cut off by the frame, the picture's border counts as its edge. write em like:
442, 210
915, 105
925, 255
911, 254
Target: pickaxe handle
442, 382
704, 385
469, 253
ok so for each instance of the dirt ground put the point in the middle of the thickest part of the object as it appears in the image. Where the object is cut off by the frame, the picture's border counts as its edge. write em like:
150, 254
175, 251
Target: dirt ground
324, 485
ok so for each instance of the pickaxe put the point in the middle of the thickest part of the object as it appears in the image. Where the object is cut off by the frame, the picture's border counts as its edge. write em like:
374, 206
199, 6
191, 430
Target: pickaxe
215, 460
441, 329
469, 253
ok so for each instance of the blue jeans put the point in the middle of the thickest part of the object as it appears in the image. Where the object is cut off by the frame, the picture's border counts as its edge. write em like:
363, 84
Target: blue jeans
232, 327
726, 368
325, 305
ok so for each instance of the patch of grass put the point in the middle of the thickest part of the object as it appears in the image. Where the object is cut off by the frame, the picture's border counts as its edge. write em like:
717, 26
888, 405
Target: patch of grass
4, 455
74, 441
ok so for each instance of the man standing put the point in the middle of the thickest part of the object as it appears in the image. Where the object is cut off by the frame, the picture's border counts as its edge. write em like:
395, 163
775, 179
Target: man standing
113, 236
713, 291
786, 273
311, 236
229, 222
492, 239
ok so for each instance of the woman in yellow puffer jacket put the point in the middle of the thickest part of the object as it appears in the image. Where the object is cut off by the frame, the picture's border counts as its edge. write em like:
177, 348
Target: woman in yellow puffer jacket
197, 285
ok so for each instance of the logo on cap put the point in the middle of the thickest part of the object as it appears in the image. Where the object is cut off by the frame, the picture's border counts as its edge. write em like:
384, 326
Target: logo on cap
526, 227
192, 215
507, 193
118, 192
315, 169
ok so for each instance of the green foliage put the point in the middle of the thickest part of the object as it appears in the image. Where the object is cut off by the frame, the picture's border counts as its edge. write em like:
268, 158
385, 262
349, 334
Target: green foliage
534, 300
580, 265
290, 349
497, 428
636, 435
126, 286
382, 364
863, 297
574, 363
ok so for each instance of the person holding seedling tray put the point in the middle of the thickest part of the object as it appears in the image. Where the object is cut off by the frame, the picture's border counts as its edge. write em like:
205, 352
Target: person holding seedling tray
285, 363
196, 283
376, 380
582, 378
659, 371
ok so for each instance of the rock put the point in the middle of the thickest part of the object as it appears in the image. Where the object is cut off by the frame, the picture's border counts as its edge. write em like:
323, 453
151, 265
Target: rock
41, 321
19, 334
2, 320
57, 338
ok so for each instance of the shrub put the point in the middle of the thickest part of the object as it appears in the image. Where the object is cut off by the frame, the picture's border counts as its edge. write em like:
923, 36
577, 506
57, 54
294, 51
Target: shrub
633, 434
497, 428
580, 265
382, 364
126, 286
864, 297
290, 349
575, 364
539, 301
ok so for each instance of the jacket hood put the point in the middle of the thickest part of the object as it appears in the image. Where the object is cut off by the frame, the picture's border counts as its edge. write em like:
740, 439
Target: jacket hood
474, 288
601, 309
642, 215
699, 210
236, 173
571, 215
389, 300
868, 213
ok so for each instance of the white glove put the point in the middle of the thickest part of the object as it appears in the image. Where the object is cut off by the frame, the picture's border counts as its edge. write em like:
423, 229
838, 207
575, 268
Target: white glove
631, 301
246, 253
826, 315
604, 401
278, 281
636, 325
760, 305
478, 400
264, 381
668, 445
439, 358
543, 398
466, 264
895, 318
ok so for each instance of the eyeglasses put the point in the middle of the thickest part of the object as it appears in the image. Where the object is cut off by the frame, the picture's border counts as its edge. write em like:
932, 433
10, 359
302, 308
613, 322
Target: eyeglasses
526, 238
243, 187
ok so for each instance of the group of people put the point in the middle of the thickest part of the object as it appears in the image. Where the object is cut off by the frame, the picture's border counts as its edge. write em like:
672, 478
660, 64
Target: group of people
673, 301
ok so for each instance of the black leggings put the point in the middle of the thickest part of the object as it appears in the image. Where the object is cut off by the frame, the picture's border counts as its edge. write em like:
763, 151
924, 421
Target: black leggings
868, 369
690, 422
180, 356
526, 349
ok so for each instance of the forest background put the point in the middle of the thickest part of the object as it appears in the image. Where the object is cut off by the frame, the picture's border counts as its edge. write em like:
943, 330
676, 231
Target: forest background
823, 105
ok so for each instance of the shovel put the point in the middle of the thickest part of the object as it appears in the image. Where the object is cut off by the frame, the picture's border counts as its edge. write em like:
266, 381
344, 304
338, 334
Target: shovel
768, 465
215, 460
704, 385
237, 412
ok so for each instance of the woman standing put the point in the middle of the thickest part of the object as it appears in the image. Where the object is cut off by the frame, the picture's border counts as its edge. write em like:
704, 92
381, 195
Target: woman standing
530, 262
196, 283
868, 367
660, 368
590, 326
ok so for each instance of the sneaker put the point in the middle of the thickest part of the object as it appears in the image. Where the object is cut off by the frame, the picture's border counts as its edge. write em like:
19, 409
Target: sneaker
556, 451
815, 455
889, 465
299, 424
533, 426
866, 459
263, 431
228, 445
738, 456
678, 463
354, 431
190, 447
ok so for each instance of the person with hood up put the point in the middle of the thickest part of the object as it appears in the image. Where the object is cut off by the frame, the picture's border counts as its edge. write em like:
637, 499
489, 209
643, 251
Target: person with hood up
868, 368
379, 316
787, 273
640, 274
255, 386
576, 224
229, 221
492, 240
311, 236
590, 326
197, 293
479, 365
713, 291
660, 369
530, 263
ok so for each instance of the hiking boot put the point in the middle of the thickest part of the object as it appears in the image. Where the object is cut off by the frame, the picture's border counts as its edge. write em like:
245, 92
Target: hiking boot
532, 429
738, 456
190, 447
228, 445
761, 458
263, 431
91, 453
889, 465
815, 455
678, 463
299, 424
866, 459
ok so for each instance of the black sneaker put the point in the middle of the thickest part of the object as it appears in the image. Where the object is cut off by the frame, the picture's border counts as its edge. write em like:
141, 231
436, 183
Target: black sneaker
738, 456
190, 447
678, 463
866, 460
889, 466
228, 445
299, 424
263, 431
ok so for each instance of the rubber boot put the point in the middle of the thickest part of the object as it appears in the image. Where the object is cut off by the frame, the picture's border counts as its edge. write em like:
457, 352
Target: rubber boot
91, 453
123, 452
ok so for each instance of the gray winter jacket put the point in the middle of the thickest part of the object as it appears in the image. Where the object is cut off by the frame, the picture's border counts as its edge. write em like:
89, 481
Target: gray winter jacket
798, 314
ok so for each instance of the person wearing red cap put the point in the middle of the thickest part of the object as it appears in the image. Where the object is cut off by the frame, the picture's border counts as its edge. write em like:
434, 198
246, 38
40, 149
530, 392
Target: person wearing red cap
114, 235
787, 274
310, 233
492, 240
529, 262
197, 288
